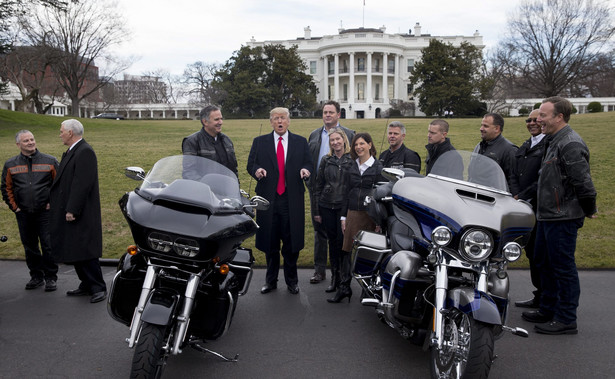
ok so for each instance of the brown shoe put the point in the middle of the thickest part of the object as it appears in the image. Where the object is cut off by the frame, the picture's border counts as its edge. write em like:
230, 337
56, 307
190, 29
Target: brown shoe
317, 278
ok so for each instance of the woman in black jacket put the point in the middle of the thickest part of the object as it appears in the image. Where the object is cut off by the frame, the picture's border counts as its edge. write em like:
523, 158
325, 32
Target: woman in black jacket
361, 178
329, 195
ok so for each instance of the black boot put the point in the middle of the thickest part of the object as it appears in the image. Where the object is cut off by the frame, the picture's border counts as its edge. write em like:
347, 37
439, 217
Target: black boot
343, 290
335, 281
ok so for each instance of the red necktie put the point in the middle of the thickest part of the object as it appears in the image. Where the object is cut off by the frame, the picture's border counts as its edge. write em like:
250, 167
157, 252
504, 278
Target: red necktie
281, 178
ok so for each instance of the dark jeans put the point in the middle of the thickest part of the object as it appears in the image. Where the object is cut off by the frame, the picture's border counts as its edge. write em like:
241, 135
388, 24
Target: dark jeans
530, 254
320, 246
333, 227
280, 230
34, 227
554, 255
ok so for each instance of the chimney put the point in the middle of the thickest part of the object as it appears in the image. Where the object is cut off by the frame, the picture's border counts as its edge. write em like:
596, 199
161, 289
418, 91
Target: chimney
307, 32
417, 30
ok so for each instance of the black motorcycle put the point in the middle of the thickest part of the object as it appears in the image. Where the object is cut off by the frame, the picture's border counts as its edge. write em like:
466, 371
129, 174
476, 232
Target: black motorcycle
178, 285
437, 274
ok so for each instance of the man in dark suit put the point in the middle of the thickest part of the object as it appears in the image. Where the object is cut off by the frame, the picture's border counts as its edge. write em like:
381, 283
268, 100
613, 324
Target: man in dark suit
280, 161
76, 228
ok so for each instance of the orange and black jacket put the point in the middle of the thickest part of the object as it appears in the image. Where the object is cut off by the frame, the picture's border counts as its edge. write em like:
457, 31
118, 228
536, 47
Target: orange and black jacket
26, 181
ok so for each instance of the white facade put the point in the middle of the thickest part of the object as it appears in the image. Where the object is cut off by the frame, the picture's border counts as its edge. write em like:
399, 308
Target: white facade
364, 69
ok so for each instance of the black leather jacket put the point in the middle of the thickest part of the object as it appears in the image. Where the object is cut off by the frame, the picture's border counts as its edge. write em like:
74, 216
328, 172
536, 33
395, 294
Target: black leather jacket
502, 151
330, 190
202, 144
434, 151
565, 187
26, 181
314, 142
401, 158
360, 186
529, 160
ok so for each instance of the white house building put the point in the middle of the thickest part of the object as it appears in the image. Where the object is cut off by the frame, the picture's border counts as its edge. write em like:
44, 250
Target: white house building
364, 69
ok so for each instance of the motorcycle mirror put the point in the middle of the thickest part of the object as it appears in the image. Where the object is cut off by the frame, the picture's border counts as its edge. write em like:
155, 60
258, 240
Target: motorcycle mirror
393, 174
135, 173
260, 203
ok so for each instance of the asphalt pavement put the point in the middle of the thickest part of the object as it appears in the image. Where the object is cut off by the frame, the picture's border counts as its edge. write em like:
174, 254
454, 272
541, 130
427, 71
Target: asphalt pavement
280, 335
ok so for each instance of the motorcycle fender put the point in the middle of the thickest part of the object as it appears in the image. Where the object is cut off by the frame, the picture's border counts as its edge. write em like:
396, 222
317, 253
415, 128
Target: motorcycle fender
160, 307
475, 303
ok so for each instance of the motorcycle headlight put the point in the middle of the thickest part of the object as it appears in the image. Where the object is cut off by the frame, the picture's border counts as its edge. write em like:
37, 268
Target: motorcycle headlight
441, 236
160, 242
512, 251
186, 247
476, 245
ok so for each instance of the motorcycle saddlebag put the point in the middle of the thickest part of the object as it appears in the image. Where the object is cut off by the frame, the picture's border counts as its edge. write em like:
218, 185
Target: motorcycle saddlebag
124, 297
241, 266
208, 319
369, 250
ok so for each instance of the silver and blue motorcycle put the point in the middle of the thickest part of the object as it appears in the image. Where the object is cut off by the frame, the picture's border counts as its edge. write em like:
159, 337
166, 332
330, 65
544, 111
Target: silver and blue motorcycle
437, 274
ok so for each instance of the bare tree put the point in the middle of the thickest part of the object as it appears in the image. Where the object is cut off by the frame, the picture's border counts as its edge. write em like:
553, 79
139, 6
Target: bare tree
171, 89
80, 35
10, 10
29, 69
197, 79
552, 43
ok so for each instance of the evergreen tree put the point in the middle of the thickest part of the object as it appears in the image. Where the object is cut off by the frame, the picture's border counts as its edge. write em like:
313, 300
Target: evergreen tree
447, 78
256, 79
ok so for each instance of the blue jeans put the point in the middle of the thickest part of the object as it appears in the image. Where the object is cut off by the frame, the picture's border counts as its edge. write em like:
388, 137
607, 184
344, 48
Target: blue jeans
554, 257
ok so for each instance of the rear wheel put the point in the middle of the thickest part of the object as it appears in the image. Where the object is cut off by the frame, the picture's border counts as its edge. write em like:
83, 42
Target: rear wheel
467, 348
149, 359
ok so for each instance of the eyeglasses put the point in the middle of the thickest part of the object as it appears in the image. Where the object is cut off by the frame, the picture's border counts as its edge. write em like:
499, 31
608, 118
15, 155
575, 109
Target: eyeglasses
530, 120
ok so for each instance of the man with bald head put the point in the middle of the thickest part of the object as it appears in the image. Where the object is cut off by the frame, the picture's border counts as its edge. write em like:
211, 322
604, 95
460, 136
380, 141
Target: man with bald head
26, 179
529, 158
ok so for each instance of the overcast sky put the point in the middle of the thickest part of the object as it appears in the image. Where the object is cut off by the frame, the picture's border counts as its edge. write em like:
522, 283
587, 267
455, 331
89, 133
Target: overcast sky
170, 34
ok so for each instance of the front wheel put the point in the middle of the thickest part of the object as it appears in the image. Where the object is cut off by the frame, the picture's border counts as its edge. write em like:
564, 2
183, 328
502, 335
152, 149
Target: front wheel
467, 348
149, 359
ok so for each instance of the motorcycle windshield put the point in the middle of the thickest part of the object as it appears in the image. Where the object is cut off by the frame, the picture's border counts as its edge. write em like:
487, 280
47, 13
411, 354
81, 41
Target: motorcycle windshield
193, 182
471, 168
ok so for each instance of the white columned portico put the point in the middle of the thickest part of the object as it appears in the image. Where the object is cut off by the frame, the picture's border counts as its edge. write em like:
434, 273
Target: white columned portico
325, 79
368, 95
351, 82
151, 113
396, 90
385, 78
336, 77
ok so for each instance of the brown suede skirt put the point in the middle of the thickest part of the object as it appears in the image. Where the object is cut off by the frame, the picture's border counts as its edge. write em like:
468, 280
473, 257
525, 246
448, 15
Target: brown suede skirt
355, 221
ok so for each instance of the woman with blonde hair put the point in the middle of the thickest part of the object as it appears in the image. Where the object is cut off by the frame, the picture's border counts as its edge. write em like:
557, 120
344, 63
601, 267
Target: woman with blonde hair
329, 196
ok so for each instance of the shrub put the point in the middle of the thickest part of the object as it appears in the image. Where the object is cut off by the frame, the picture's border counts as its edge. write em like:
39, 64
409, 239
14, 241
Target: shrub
594, 107
524, 111
537, 105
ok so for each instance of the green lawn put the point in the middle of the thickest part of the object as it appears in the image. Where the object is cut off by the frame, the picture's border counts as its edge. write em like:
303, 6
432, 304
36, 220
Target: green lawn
119, 144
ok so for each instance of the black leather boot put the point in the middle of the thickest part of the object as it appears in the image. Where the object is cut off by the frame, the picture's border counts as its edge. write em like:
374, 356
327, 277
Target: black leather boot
344, 290
335, 281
